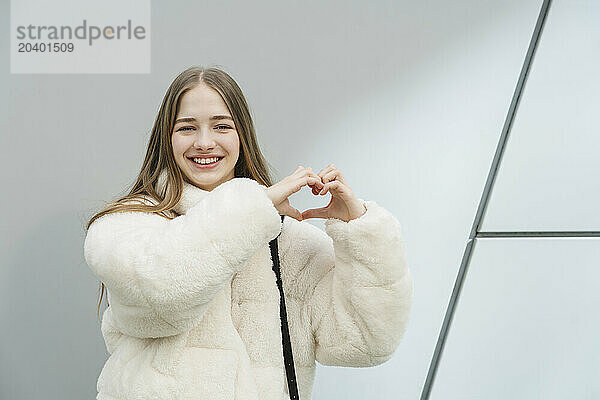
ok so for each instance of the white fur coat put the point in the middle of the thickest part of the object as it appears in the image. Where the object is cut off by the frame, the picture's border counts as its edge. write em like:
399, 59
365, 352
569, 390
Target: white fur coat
194, 304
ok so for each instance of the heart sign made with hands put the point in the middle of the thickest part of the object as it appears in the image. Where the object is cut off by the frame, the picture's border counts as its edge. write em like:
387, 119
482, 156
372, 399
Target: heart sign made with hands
343, 204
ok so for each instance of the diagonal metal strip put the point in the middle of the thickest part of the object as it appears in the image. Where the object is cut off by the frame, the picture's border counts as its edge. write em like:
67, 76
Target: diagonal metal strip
474, 234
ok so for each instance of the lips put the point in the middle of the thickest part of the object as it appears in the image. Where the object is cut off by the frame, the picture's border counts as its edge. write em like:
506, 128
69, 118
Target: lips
219, 158
213, 156
206, 166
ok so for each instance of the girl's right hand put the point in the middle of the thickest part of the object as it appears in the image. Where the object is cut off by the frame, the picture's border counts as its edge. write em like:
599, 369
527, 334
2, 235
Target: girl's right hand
279, 192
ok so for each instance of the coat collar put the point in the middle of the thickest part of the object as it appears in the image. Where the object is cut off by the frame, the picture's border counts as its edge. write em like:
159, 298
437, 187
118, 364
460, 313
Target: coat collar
191, 194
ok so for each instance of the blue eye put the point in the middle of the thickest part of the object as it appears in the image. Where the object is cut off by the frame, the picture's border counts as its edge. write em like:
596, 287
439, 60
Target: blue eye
185, 128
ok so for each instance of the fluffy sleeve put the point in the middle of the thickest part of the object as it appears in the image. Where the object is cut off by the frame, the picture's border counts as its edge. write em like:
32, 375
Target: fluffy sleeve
162, 274
362, 297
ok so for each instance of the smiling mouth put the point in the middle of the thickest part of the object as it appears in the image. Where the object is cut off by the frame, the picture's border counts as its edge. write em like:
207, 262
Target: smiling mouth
198, 165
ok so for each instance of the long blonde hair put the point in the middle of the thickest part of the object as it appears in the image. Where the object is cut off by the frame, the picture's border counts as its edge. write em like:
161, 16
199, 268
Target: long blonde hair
159, 153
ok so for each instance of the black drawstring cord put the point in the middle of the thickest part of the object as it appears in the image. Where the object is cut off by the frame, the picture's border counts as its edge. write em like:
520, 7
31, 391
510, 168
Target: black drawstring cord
285, 332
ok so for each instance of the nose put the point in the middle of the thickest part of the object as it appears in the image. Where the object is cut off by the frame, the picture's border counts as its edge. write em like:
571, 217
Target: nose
204, 139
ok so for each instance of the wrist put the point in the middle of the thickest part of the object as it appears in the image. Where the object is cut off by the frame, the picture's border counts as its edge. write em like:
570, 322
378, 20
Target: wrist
358, 210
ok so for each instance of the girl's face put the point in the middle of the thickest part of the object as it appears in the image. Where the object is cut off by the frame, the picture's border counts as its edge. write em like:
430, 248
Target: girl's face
204, 128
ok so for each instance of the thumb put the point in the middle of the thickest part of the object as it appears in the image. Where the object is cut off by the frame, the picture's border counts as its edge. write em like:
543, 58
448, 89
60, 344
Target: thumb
292, 212
315, 213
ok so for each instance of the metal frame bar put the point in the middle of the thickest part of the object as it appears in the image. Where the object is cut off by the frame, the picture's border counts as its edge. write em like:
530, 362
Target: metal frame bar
536, 234
483, 203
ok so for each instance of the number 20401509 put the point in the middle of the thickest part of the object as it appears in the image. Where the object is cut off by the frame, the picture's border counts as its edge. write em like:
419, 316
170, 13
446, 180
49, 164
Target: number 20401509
26, 47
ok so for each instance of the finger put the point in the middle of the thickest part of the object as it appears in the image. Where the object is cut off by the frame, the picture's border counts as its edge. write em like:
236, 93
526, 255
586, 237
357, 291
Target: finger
294, 213
335, 175
334, 187
295, 183
298, 171
315, 183
326, 170
315, 213
301, 172
331, 175
325, 189
306, 177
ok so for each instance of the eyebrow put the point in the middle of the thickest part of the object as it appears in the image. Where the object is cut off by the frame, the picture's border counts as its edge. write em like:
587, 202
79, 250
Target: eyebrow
213, 118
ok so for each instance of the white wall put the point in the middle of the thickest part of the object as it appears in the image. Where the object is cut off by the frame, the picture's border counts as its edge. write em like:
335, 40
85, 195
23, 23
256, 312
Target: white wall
408, 99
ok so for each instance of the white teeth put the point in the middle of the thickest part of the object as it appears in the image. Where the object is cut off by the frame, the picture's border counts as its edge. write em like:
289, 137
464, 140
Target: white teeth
205, 160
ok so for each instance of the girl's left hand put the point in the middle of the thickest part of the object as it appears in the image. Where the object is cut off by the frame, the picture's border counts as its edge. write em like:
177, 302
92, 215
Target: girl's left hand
343, 205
